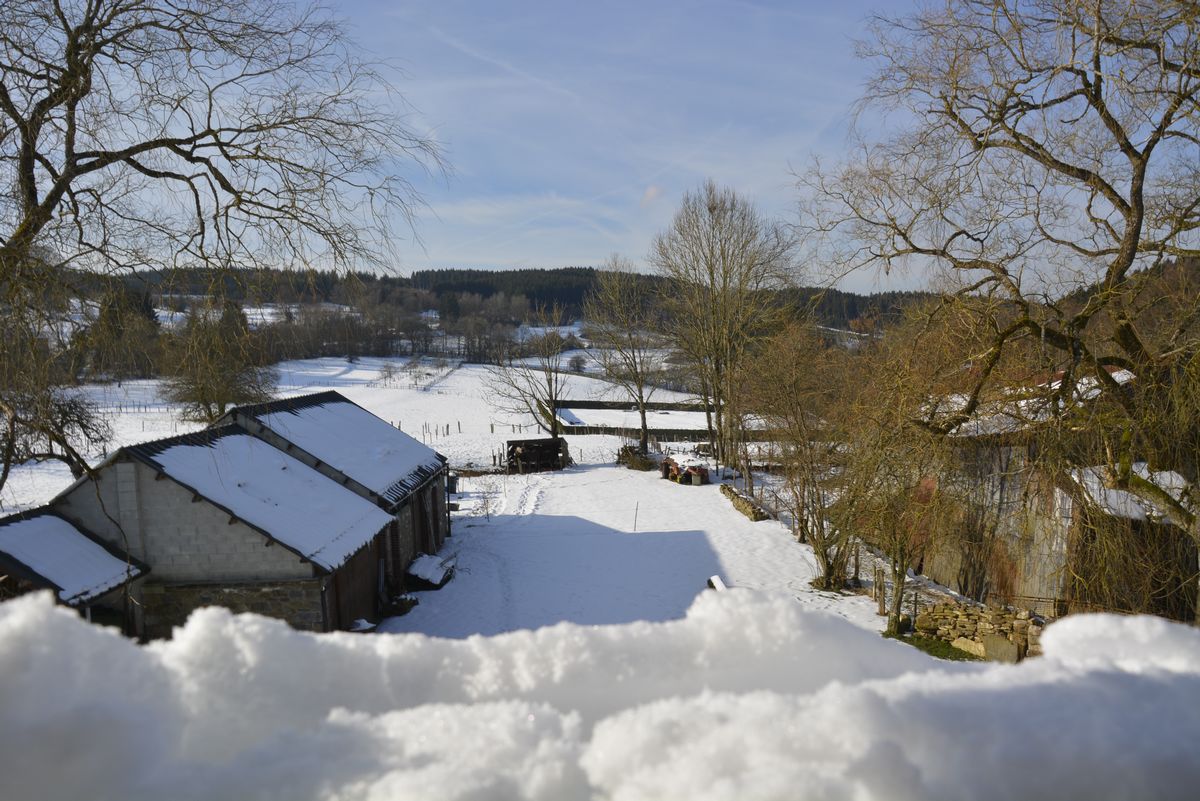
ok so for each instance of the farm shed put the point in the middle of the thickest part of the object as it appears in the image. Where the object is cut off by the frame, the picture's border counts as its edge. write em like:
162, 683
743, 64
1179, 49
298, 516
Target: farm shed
368, 456
39, 550
537, 455
1035, 536
223, 518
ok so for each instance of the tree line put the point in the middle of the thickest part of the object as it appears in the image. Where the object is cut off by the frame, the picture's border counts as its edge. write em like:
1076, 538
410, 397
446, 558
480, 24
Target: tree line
462, 292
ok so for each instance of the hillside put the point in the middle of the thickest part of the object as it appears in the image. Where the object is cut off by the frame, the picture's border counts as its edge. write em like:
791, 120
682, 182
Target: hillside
446, 291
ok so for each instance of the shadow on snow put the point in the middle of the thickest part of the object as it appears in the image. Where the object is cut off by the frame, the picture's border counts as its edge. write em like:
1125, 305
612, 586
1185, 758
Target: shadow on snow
529, 571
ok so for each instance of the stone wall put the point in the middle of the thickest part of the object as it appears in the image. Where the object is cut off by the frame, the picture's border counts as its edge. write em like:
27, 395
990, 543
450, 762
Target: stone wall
296, 602
1005, 635
744, 504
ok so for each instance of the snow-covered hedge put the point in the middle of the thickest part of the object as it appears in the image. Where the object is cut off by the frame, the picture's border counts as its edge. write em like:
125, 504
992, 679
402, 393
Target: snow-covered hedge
749, 697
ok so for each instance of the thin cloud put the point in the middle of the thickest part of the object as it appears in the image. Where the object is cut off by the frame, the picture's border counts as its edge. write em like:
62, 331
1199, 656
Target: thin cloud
511, 69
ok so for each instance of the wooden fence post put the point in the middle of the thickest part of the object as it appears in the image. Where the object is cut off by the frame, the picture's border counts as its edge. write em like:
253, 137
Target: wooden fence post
880, 591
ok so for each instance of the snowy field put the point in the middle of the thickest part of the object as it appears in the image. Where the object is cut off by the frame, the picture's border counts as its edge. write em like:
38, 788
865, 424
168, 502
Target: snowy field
575, 656
426, 399
423, 398
629, 418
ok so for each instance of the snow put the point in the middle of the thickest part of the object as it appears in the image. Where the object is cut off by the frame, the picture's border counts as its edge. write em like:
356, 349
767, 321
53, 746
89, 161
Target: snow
629, 418
431, 568
526, 332
1021, 407
598, 544
354, 442
422, 407
265, 314
748, 696
1121, 503
423, 399
56, 550
296, 505
655, 419
136, 412
457, 398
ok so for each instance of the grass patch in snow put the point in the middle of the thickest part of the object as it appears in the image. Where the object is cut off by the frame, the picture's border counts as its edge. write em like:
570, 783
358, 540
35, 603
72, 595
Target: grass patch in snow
939, 649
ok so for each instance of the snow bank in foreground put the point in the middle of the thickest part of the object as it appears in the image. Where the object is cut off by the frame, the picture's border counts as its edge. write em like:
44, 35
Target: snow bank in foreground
747, 697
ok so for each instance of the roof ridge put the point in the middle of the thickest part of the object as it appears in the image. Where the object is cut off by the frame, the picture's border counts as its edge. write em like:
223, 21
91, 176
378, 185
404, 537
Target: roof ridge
294, 403
29, 514
205, 437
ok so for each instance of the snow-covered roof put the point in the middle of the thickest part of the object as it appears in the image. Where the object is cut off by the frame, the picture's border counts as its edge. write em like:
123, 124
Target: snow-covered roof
1122, 503
351, 440
275, 493
54, 549
1019, 408
433, 569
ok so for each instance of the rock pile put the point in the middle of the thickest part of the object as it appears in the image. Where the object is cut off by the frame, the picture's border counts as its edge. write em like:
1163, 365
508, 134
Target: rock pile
1006, 635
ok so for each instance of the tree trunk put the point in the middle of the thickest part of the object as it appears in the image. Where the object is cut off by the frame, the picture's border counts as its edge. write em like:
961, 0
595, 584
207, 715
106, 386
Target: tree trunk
1195, 532
643, 440
899, 574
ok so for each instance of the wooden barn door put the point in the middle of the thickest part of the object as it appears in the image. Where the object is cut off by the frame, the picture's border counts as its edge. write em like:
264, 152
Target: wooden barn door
393, 558
421, 529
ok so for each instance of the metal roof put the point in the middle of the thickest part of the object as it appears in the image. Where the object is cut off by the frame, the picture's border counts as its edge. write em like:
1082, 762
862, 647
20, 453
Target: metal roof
422, 465
47, 548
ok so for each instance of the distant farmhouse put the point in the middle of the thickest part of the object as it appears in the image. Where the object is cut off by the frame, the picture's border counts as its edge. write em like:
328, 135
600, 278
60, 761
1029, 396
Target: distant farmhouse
1046, 534
308, 509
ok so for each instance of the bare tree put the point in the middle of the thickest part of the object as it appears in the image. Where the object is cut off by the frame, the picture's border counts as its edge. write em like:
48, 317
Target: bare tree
529, 380
196, 130
800, 386
622, 318
40, 420
1048, 162
151, 133
723, 260
215, 366
895, 489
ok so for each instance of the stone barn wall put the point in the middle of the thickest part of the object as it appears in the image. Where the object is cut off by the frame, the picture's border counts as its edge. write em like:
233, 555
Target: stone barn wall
296, 602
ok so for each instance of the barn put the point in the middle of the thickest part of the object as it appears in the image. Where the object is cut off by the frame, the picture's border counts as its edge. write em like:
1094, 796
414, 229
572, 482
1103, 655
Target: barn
369, 457
222, 518
309, 509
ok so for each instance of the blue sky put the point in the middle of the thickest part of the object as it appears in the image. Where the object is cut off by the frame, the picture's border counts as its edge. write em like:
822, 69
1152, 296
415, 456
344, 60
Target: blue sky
573, 129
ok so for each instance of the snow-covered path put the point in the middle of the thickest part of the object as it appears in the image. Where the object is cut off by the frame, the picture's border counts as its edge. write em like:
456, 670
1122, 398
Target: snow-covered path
600, 545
